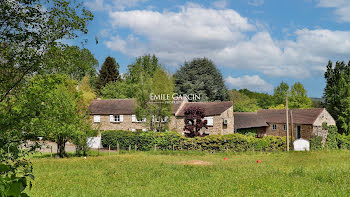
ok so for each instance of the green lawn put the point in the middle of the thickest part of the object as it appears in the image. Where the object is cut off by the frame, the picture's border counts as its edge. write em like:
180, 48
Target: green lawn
163, 174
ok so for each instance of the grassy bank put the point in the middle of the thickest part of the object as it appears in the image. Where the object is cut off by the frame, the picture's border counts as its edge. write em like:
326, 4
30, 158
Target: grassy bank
195, 174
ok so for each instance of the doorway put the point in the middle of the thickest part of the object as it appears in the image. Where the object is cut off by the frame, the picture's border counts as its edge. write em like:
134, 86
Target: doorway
298, 136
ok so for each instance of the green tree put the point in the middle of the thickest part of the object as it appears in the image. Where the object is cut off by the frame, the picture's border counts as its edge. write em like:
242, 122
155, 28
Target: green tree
264, 100
242, 103
87, 93
298, 97
280, 93
200, 76
337, 94
161, 111
109, 72
70, 60
118, 90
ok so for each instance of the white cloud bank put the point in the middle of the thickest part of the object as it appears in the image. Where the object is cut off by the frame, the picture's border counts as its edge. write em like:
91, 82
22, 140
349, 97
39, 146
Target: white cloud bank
254, 83
227, 38
342, 8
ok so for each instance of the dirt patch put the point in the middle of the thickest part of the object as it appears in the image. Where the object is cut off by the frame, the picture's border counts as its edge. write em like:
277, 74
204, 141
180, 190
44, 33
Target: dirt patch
195, 163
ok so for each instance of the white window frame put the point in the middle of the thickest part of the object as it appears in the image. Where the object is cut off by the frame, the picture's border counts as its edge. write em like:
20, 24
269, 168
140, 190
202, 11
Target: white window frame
116, 118
274, 127
210, 121
285, 127
135, 119
97, 118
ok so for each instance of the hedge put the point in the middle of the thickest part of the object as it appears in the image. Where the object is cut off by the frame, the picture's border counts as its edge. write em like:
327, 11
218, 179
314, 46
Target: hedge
146, 141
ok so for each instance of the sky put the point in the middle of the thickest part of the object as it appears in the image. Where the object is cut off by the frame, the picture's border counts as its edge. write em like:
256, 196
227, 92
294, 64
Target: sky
256, 44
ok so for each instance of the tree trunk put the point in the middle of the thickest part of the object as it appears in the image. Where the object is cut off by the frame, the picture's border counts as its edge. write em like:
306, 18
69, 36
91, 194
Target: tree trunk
61, 146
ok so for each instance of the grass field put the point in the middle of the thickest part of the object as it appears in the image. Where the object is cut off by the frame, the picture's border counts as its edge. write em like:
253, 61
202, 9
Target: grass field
170, 174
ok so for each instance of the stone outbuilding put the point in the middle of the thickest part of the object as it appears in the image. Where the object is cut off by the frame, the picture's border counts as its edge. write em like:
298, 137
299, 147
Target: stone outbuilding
303, 123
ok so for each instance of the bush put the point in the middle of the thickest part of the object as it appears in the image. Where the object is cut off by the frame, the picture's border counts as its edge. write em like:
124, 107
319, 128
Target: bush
146, 141
316, 143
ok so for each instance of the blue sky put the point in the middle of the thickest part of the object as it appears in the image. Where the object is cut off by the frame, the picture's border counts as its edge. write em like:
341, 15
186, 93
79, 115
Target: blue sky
256, 44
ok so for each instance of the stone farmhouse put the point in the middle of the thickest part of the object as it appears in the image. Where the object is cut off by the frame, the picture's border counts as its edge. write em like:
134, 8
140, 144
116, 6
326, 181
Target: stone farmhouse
119, 114
303, 123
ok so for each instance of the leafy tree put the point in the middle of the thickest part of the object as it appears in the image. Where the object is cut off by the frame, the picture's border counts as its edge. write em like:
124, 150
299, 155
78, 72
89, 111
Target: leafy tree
337, 94
87, 93
194, 121
280, 93
298, 97
29, 29
280, 106
162, 84
118, 90
109, 72
264, 100
200, 76
242, 103
70, 60
56, 109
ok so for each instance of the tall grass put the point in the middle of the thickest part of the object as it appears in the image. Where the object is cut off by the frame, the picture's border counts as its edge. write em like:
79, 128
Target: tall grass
163, 174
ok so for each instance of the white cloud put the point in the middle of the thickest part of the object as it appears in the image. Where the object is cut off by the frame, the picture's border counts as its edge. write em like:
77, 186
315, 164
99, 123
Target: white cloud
254, 83
228, 39
342, 8
256, 3
221, 4
101, 5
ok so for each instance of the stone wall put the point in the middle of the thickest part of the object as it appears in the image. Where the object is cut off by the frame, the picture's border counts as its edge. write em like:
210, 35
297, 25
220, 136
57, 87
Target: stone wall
126, 125
306, 130
177, 124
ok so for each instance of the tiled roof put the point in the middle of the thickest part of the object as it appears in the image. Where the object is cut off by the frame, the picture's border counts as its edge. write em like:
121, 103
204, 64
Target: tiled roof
248, 120
211, 108
300, 116
112, 106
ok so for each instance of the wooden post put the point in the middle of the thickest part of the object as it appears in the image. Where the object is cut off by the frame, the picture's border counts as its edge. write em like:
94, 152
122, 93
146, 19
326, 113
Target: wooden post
129, 148
291, 121
173, 147
118, 148
155, 147
109, 149
51, 150
135, 148
287, 123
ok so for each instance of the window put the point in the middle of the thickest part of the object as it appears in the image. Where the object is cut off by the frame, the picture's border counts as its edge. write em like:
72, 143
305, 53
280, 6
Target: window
116, 118
97, 118
284, 127
133, 130
210, 121
134, 118
274, 127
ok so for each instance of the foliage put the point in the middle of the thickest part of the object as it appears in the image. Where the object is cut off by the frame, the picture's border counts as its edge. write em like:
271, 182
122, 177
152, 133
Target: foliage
243, 103
280, 106
71, 61
280, 93
162, 84
29, 29
57, 111
316, 143
109, 72
201, 77
87, 93
194, 123
263, 100
169, 140
298, 97
337, 94
252, 132
118, 90
332, 142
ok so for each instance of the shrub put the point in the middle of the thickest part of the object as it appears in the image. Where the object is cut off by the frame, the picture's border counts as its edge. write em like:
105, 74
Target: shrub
146, 141
332, 136
316, 143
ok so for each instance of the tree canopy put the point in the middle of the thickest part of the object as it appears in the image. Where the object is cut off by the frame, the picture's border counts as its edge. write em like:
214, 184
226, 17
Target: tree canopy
109, 72
201, 77
337, 94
